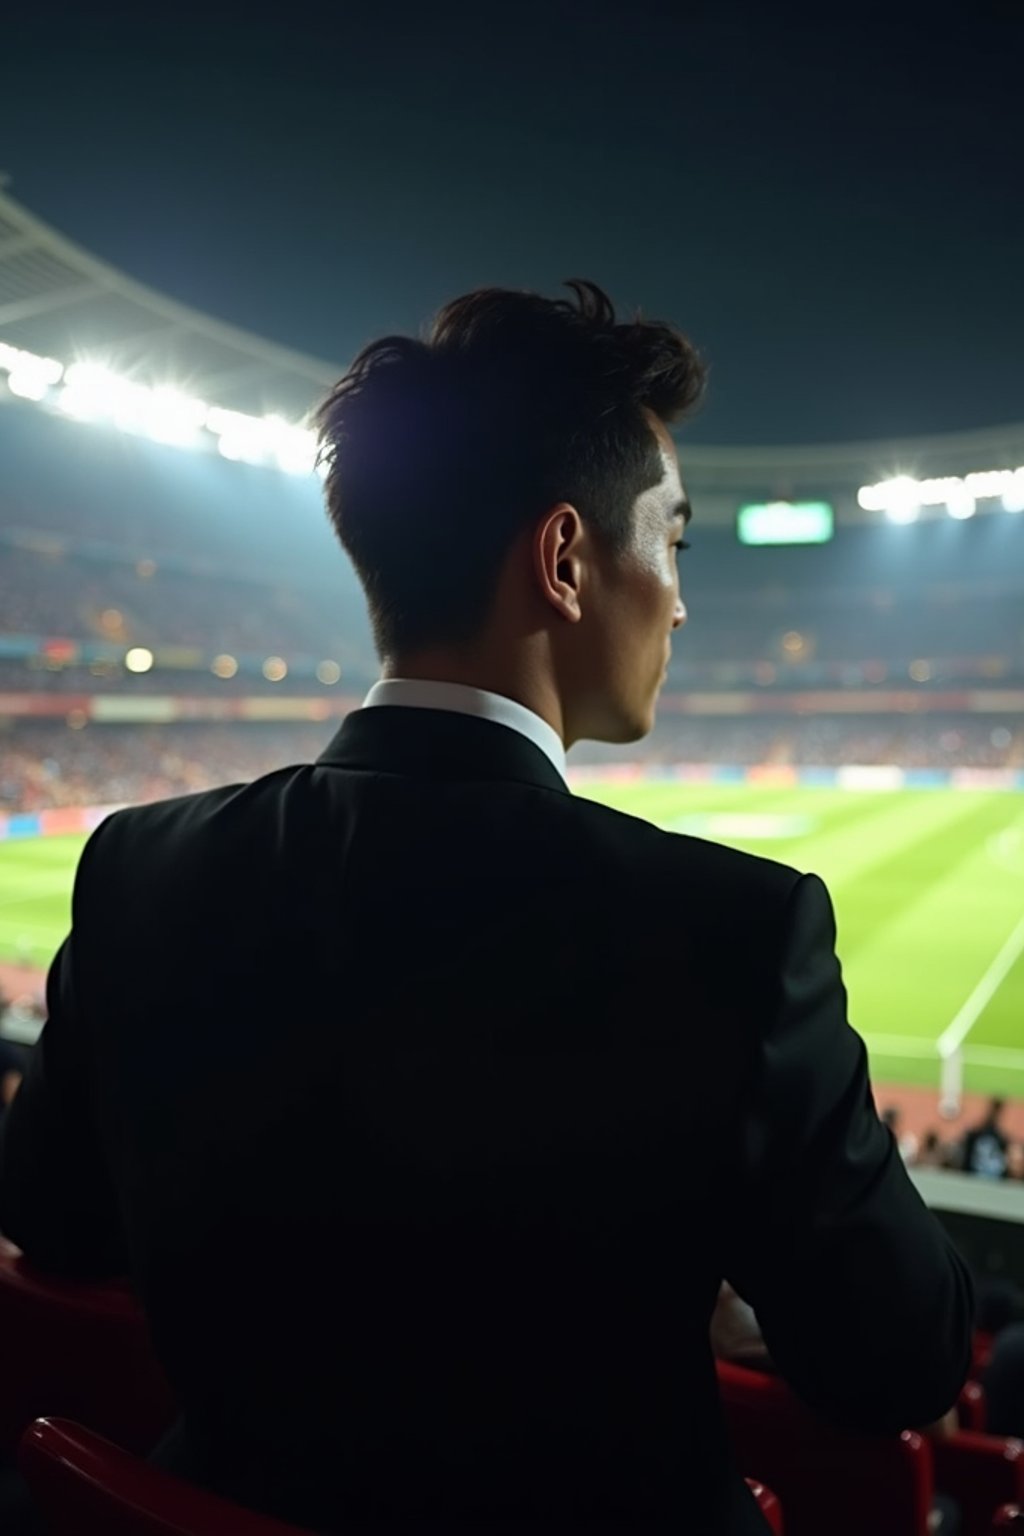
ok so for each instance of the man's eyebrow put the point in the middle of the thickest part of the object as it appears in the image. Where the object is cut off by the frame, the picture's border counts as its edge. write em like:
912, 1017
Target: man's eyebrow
681, 509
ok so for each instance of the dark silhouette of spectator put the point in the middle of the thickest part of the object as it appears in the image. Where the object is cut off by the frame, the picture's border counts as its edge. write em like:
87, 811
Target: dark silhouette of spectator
986, 1145
933, 1152
552, 1071
892, 1117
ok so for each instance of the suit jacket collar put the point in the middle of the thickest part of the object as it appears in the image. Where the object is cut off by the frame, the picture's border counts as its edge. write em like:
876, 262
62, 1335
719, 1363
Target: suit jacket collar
438, 744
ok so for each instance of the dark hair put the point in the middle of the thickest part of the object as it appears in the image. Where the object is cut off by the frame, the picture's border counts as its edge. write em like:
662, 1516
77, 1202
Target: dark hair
439, 452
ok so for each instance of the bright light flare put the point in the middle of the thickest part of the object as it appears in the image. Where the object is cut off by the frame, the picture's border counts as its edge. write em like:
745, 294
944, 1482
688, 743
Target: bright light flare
902, 497
29, 375
961, 504
94, 392
899, 498
1013, 495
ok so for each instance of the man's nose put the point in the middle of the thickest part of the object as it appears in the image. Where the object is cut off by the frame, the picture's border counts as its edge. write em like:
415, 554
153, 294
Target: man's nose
679, 617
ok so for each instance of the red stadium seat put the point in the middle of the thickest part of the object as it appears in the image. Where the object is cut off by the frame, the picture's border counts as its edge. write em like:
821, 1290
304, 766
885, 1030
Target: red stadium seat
82, 1484
828, 1480
768, 1504
971, 1408
980, 1472
77, 1349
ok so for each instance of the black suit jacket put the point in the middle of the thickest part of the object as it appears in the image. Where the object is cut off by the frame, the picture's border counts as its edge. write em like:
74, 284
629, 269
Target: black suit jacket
428, 1105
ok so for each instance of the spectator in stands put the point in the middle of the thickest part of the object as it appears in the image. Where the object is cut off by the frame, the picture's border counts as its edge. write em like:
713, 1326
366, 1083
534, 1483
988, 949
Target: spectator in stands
986, 1146
907, 1142
23, 1018
933, 1152
553, 1072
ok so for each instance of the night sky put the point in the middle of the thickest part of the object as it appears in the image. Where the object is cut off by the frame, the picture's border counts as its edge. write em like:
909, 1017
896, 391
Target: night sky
834, 209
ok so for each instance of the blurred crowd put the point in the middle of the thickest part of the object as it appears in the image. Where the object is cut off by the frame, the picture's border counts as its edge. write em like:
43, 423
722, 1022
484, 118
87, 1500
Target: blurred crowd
985, 1149
49, 764
44, 766
919, 741
742, 633
145, 603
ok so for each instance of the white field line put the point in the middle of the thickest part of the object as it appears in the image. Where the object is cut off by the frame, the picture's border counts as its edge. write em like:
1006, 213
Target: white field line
994, 1056
953, 1037
899, 1045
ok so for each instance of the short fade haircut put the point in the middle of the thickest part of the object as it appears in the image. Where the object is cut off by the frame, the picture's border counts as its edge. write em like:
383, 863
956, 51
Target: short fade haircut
439, 452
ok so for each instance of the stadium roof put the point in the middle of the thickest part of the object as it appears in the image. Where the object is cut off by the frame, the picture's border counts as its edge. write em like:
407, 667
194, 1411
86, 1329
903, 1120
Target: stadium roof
58, 301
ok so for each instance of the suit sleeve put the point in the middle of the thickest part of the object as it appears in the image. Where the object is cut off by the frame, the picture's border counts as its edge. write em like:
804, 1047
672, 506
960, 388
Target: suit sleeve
57, 1200
865, 1305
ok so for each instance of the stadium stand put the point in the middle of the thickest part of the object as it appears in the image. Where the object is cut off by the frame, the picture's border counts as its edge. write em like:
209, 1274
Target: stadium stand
174, 620
892, 643
44, 765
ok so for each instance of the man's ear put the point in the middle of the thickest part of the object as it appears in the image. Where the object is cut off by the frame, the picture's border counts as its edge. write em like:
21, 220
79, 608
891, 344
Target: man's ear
557, 559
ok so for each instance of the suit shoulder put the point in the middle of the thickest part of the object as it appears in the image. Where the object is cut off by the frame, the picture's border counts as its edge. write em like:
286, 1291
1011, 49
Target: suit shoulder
674, 855
179, 821
157, 816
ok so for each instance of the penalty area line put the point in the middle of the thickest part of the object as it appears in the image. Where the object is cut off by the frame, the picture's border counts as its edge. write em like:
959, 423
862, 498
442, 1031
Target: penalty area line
953, 1037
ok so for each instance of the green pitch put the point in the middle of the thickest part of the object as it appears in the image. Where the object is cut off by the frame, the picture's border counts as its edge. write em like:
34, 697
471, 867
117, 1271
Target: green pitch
928, 888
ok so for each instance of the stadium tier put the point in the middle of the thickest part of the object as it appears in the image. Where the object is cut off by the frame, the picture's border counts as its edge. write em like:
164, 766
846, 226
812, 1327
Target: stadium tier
120, 557
175, 614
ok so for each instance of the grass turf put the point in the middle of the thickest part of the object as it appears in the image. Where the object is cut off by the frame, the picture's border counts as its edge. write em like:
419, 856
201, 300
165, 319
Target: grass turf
927, 886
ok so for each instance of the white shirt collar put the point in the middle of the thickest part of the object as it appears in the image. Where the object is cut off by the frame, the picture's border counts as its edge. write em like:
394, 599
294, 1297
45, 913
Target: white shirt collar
416, 693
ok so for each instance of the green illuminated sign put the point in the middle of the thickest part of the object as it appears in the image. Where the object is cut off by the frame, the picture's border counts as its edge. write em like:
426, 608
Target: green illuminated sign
785, 522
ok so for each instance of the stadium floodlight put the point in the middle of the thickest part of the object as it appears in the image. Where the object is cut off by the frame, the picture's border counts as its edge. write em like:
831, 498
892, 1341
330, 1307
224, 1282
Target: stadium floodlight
960, 503
29, 375
295, 449
239, 436
262, 440
169, 416
901, 497
93, 392
1013, 495
987, 484
27, 384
